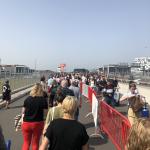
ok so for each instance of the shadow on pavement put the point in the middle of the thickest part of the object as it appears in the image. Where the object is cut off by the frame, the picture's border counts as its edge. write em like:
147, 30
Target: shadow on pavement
89, 125
123, 104
91, 148
124, 113
14, 107
94, 141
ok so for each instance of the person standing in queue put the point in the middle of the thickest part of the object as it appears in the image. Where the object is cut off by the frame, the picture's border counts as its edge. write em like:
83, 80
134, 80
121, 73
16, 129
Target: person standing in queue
66, 133
6, 93
33, 117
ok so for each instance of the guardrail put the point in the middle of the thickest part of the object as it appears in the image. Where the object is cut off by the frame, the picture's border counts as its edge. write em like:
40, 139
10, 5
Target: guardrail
114, 124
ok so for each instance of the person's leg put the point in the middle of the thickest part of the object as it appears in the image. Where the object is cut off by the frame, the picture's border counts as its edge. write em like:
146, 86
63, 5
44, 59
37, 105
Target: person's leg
37, 132
7, 103
8, 99
27, 135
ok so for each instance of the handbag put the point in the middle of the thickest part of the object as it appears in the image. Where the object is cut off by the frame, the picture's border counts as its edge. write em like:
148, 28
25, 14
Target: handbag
137, 103
18, 122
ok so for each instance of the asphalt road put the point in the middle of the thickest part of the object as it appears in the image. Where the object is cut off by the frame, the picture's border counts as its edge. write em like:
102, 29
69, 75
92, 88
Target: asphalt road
96, 143
7, 123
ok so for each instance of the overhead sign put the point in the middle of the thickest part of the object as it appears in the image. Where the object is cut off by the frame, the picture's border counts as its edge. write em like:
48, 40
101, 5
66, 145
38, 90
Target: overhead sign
61, 67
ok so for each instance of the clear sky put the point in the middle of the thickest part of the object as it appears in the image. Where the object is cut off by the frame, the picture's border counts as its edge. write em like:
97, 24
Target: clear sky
80, 33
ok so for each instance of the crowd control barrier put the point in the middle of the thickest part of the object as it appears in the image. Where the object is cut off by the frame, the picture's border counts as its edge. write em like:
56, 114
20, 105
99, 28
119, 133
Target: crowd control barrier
111, 122
114, 124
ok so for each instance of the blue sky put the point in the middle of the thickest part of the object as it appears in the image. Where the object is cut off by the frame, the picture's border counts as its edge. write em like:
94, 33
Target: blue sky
80, 33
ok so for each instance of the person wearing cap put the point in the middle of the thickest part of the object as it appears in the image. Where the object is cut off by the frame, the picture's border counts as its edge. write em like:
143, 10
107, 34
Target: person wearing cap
6, 93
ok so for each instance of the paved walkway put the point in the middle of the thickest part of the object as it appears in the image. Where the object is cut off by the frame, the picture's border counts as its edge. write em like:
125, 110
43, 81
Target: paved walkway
16, 96
96, 143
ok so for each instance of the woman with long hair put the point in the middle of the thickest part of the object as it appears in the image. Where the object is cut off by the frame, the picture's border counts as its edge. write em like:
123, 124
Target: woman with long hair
139, 136
66, 133
33, 117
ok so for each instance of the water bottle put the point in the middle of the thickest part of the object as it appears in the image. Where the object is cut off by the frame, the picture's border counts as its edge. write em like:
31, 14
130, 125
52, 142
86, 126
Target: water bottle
145, 112
8, 144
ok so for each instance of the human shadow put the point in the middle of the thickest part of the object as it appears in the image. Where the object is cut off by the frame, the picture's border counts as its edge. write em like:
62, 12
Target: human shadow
89, 125
97, 140
91, 148
14, 107
123, 105
123, 112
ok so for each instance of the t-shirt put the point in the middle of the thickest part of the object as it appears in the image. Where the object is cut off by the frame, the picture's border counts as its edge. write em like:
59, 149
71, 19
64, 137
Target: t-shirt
6, 89
66, 134
67, 92
102, 84
54, 113
34, 109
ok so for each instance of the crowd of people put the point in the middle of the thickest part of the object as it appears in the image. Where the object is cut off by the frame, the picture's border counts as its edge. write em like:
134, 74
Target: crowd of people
51, 112
57, 101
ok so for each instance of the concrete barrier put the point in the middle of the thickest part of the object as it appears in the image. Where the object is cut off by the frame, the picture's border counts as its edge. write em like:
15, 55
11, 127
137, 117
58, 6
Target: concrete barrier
17, 94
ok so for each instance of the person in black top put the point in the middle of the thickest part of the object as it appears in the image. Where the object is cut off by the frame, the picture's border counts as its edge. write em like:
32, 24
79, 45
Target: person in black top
66, 133
109, 93
102, 84
66, 91
6, 93
33, 117
115, 82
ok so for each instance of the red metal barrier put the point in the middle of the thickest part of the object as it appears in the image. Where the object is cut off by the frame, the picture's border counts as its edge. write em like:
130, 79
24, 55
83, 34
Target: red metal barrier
90, 92
114, 124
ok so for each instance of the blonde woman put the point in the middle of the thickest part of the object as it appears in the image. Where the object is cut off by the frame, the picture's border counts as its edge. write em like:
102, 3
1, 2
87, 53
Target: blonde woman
55, 112
66, 133
33, 117
139, 136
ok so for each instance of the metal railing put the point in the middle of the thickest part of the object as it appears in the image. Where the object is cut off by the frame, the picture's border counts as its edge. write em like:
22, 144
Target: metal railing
19, 81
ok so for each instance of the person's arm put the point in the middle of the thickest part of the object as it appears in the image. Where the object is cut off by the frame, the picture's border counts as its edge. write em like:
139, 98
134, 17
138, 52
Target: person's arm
45, 113
85, 147
22, 114
44, 144
47, 122
124, 97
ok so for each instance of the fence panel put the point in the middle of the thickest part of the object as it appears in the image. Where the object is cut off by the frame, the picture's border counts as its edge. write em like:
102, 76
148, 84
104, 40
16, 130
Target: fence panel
114, 124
